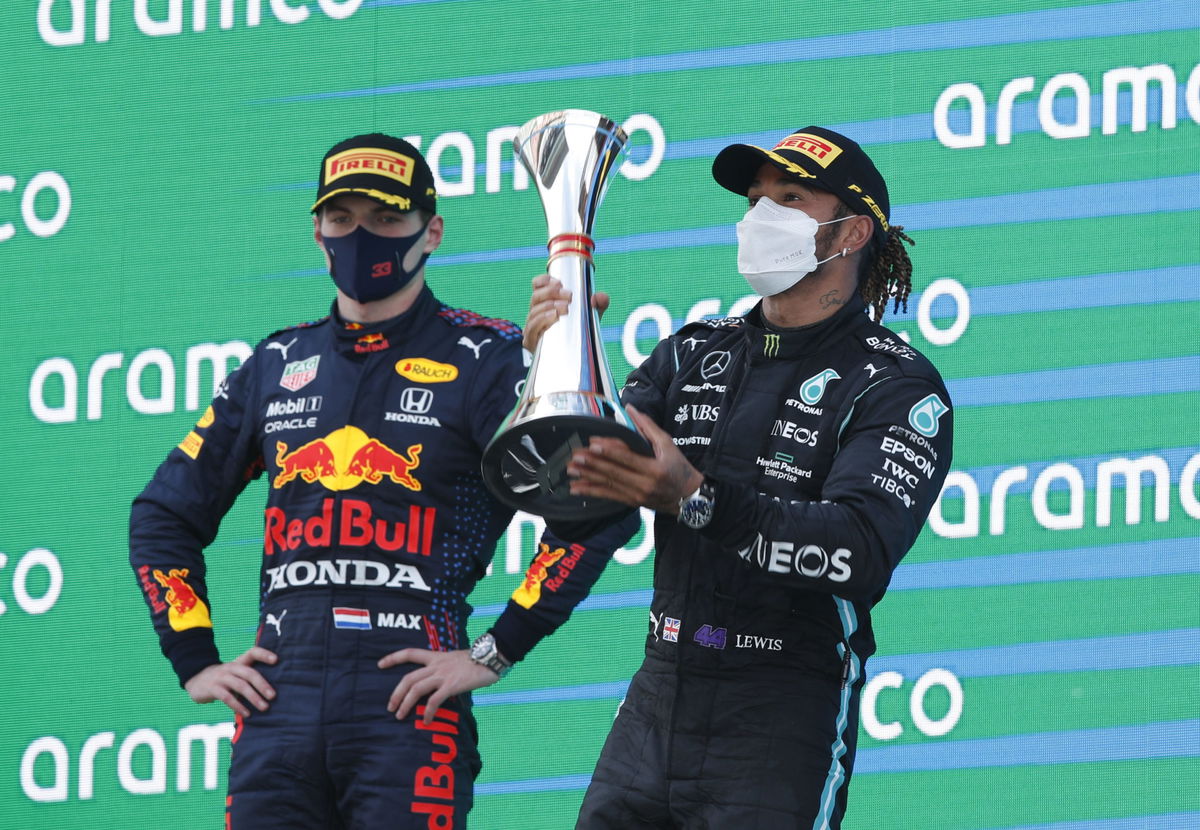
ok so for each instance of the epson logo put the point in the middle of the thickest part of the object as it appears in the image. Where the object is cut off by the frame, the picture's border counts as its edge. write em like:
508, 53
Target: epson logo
294, 406
65, 22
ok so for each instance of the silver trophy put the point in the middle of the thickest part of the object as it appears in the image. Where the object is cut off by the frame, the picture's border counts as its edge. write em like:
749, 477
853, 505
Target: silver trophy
569, 394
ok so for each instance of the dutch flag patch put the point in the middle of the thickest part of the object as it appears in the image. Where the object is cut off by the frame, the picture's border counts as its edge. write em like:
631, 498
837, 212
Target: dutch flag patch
359, 618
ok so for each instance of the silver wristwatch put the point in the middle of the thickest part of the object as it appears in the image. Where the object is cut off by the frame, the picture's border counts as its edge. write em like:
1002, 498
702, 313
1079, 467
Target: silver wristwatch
696, 510
485, 653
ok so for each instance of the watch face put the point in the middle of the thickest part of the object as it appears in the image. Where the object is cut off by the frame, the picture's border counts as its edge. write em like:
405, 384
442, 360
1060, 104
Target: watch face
482, 648
696, 511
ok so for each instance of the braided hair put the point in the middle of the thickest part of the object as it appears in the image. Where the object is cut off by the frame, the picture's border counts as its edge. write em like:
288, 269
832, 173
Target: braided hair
887, 273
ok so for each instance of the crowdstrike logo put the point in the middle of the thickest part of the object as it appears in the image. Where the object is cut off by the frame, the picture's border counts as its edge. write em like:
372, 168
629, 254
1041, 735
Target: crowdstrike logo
66, 22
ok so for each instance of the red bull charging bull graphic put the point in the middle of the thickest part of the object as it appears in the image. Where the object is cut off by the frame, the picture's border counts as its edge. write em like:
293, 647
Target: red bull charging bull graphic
539, 574
185, 608
345, 458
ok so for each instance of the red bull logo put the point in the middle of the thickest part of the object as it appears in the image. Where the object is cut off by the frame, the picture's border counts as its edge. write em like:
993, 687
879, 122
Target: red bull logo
186, 610
563, 570
538, 576
345, 458
433, 783
151, 590
357, 527
370, 342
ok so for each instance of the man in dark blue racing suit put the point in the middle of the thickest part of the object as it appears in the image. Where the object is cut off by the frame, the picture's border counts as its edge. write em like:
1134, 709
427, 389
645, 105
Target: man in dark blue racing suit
368, 426
798, 451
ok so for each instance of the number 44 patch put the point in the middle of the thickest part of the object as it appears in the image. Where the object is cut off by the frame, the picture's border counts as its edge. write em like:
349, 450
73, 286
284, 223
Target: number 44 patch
710, 637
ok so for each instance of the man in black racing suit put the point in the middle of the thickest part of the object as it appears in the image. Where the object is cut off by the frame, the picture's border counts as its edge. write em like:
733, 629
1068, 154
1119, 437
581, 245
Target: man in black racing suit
369, 425
798, 451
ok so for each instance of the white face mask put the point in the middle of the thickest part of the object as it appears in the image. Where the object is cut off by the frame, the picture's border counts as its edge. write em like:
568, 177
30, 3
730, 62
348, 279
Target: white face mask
777, 246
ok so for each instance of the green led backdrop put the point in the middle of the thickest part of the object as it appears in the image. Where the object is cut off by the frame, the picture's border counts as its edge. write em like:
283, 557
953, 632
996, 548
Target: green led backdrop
1039, 661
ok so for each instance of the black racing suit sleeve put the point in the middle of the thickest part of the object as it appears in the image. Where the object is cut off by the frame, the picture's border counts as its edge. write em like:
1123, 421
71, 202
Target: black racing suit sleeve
178, 514
559, 578
874, 501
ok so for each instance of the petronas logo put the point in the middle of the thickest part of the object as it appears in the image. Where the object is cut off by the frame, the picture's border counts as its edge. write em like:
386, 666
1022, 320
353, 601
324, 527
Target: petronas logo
813, 389
770, 345
925, 414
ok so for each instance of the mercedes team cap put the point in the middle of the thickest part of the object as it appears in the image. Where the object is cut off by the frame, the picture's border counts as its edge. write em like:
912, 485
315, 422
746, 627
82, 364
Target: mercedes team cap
386, 169
832, 161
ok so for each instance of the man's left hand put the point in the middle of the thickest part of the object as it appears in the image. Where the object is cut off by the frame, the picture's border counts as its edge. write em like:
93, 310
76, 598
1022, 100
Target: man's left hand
607, 468
442, 675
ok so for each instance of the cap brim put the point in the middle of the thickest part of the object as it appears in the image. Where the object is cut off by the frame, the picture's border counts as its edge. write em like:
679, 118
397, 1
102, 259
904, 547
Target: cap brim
400, 203
737, 165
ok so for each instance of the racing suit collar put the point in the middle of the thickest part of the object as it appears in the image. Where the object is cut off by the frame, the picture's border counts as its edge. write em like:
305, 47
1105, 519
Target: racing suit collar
767, 343
363, 338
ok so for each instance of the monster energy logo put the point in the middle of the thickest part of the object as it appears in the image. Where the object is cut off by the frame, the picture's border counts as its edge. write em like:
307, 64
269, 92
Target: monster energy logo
770, 345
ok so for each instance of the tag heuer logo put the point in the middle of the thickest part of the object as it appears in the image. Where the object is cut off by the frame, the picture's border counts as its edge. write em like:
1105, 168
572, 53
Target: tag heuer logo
300, 373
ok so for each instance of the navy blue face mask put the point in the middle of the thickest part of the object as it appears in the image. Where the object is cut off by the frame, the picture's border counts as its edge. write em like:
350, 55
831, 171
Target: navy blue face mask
368, 267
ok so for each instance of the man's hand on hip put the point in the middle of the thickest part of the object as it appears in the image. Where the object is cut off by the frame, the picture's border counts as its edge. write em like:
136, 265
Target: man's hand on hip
235, 682
442, 675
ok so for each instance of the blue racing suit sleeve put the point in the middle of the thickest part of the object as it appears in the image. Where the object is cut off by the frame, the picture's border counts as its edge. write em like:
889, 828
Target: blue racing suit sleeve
178, 514
559, 578
565, 566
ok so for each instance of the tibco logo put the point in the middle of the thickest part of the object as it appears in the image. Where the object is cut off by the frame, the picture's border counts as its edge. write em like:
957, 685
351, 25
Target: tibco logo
59, 404
65, 22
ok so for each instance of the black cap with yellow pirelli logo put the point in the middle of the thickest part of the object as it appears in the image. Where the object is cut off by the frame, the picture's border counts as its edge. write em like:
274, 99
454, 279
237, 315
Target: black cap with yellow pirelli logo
387, 169
818, 156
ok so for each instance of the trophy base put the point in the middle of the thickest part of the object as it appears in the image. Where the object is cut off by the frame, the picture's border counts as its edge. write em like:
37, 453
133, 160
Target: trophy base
525, 466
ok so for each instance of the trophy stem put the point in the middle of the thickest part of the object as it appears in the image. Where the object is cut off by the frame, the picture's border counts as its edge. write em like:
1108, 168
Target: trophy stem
569, 394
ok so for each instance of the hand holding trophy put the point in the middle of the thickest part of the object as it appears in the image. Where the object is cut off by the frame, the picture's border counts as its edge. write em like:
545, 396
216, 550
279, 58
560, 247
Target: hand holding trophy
569, 394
